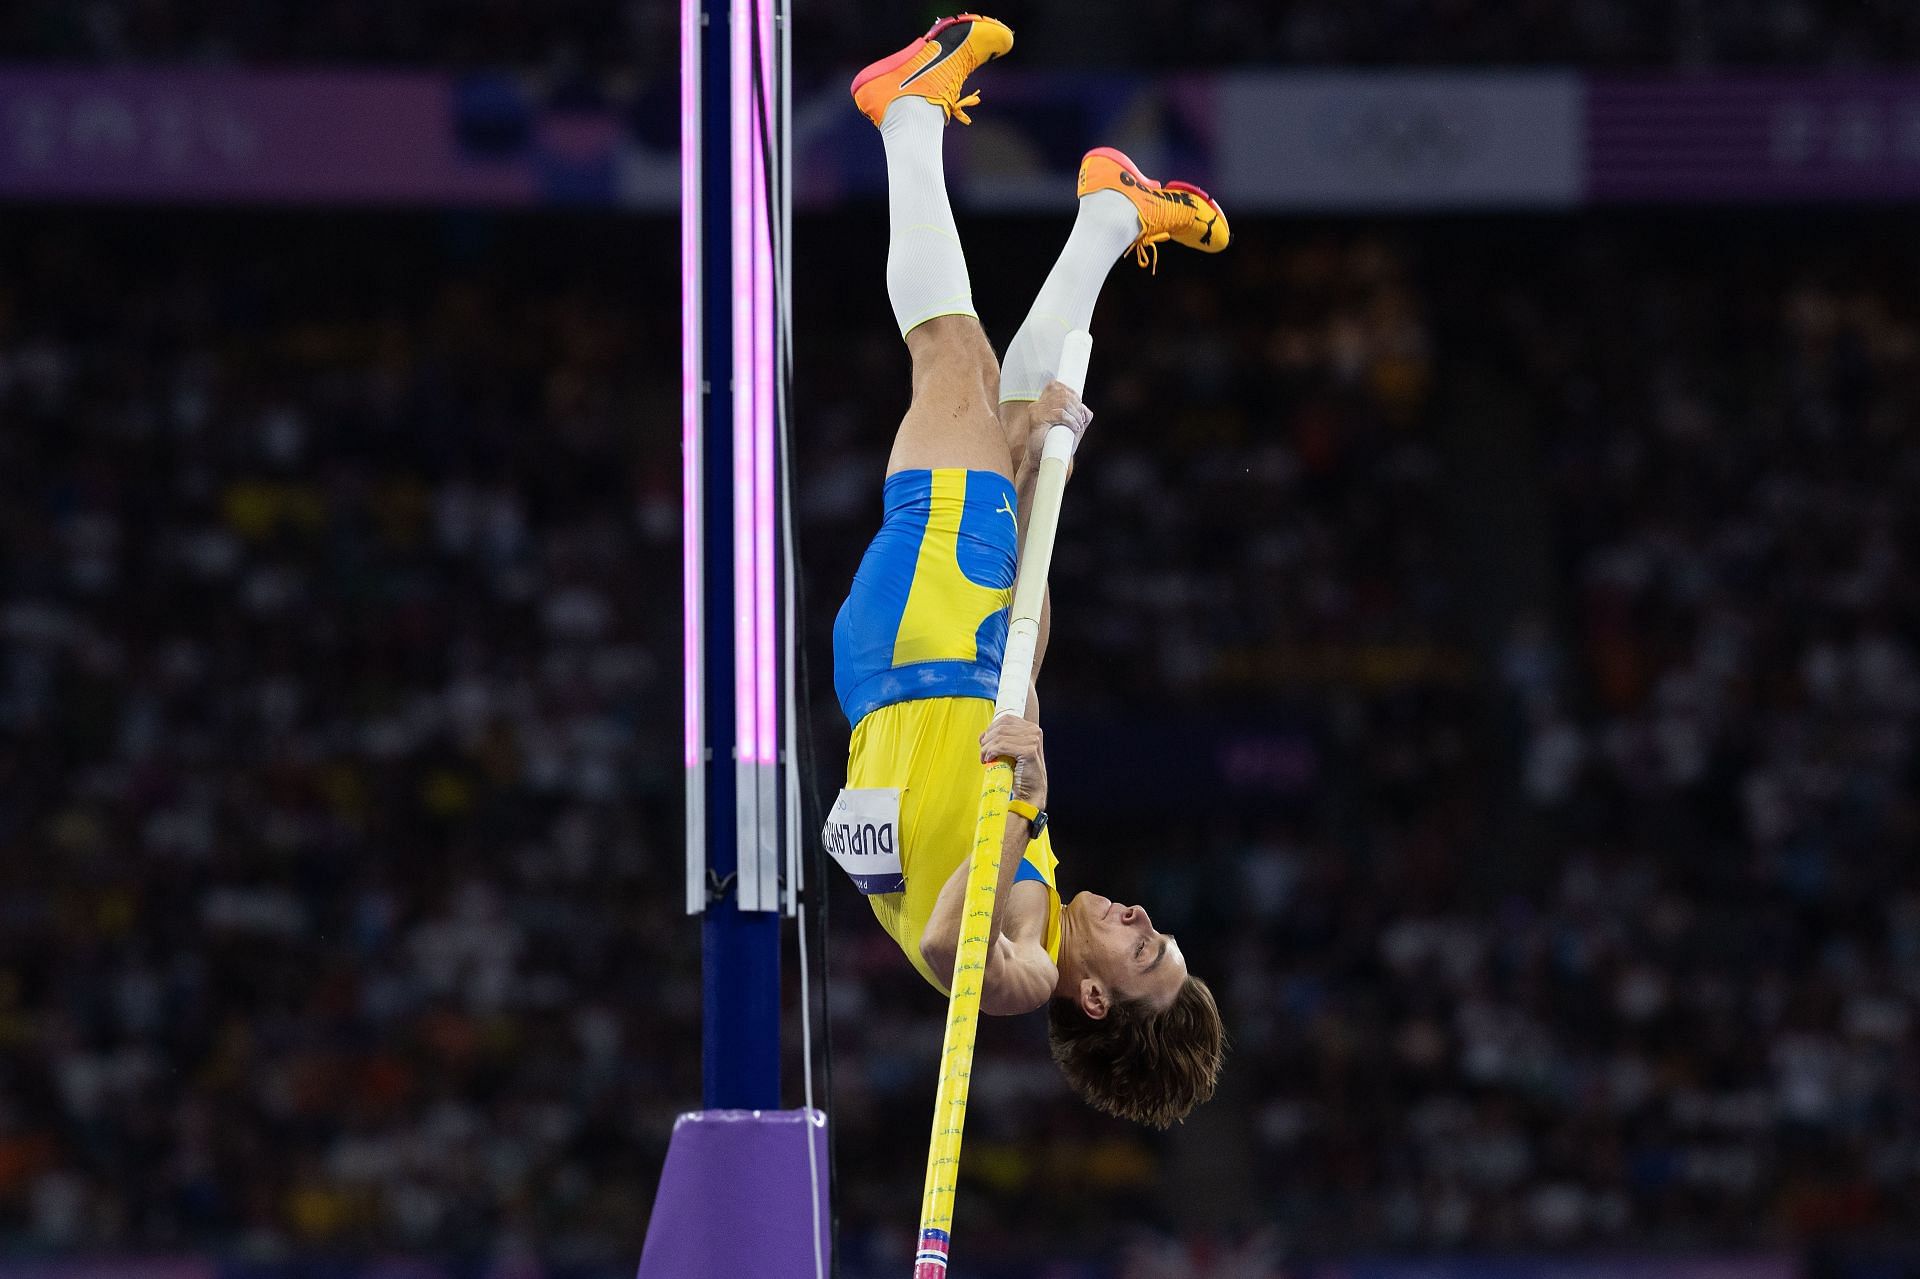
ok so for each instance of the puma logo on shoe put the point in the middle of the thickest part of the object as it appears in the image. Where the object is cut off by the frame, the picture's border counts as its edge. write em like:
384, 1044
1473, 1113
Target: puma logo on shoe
1179, 211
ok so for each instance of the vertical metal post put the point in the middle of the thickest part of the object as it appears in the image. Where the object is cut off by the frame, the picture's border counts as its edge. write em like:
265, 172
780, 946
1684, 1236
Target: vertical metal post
755, 412
740, 950
790, 742
693, 407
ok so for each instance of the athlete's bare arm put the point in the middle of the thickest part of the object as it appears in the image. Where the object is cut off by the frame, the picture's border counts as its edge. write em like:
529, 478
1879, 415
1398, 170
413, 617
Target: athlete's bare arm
1019, 977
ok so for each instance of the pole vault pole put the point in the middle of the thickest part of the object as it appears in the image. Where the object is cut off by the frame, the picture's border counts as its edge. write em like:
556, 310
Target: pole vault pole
970, 962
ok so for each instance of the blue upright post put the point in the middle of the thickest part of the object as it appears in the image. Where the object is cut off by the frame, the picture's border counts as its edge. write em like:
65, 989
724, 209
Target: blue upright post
740, 950
745, 1187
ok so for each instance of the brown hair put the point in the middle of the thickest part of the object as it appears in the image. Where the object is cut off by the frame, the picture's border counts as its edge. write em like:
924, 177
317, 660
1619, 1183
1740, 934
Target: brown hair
1152, 1067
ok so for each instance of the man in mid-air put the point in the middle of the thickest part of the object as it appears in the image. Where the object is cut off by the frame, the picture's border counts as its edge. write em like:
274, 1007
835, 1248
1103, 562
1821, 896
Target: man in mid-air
917, 645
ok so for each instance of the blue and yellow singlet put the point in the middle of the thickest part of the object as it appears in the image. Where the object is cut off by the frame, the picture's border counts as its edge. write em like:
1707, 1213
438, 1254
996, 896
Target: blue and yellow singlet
927, 615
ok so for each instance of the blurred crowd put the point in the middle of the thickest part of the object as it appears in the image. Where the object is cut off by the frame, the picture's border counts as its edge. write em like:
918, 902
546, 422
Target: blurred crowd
335, 632
616, 37
1628, 34
564, 38
339, 840
1685, 1014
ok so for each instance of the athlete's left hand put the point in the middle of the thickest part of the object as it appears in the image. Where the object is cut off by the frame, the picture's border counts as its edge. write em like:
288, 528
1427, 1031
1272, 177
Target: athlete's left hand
1020, 740
1058, 405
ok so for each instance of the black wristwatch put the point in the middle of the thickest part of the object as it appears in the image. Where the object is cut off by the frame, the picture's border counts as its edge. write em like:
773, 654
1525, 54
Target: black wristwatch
1036, 817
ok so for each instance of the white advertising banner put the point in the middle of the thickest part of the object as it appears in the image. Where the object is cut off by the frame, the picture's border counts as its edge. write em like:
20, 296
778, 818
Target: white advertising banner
1388, 140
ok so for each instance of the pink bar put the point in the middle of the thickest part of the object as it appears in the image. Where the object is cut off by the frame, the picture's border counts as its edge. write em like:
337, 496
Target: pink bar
765, 647
690, 397
746, 701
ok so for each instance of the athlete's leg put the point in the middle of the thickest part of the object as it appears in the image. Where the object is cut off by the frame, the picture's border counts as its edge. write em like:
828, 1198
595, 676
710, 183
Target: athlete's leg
1106, 224
910, 96
1120, 208
1104, 227
952, 419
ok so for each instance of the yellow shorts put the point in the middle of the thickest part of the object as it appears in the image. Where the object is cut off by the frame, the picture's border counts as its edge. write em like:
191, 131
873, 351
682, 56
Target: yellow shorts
930, 749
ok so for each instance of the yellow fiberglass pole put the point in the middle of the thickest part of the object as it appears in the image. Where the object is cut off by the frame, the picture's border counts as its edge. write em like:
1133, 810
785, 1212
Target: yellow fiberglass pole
970, 963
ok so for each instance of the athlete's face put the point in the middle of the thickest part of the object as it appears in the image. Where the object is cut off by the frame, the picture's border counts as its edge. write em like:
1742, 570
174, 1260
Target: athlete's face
1122, 949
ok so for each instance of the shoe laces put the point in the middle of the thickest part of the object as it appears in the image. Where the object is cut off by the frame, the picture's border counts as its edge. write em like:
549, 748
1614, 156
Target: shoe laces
958, 110
1146, 249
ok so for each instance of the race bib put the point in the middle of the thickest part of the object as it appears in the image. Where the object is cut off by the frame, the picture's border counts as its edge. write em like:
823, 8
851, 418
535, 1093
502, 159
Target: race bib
863, 835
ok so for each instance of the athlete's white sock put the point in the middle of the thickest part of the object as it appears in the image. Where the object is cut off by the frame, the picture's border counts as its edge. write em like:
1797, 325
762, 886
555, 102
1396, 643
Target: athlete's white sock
1106, 225
926, 270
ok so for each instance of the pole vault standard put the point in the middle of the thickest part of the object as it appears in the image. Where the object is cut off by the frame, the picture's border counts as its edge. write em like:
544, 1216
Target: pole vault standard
970, 962
744, 1188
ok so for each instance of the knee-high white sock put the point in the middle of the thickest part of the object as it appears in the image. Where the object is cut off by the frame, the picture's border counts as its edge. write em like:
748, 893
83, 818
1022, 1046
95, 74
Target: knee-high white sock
926, 270
1106, 225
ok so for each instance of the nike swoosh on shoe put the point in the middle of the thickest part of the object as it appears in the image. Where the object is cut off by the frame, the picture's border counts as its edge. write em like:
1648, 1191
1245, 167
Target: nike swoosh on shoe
947, 50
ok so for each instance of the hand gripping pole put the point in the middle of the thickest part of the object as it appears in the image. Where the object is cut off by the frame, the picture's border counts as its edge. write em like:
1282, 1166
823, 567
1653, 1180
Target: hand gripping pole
970, 963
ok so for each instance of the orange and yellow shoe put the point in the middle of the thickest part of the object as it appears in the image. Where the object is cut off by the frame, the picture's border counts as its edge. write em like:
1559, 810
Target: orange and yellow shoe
1177, 211
934, 67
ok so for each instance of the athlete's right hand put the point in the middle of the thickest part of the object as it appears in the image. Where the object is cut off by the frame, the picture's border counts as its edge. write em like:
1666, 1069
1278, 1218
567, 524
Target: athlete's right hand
1058, 405
1020, 740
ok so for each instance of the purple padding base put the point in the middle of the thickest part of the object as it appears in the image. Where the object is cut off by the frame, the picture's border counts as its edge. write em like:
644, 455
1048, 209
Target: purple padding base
736, 1197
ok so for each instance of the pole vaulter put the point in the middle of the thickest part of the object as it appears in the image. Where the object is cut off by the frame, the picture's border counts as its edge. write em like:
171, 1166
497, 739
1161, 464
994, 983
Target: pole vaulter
939, 644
